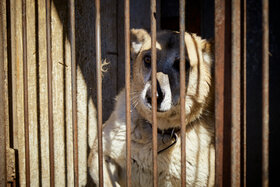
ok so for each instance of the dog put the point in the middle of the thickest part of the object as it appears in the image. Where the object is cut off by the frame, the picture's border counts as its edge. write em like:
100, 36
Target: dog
199, 108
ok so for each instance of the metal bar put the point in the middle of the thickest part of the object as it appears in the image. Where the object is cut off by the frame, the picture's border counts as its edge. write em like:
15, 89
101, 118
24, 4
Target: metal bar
243, 93
265, 94
25, 87
74, 92
154, 90
50, 95
235, 93
219, 89
99, 89
182, 91
127, 93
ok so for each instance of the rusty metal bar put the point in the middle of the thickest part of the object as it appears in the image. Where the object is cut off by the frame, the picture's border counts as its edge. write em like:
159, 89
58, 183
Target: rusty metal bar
50, 95
182, 91
127, 92
154, 89
74, 92
243, 93
265, 94
219, 89
235, 93
25, 87
99, 89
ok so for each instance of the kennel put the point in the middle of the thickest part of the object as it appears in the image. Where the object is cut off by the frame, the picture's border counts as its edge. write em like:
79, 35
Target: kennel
52, 87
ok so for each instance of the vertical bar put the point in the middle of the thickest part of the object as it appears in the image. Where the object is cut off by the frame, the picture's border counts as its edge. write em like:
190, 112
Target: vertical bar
74, 92
99, 89
182, 91
219, 89
25, 85
265, 94
243, 92
154, 89
50, 95
127, 93
235, 94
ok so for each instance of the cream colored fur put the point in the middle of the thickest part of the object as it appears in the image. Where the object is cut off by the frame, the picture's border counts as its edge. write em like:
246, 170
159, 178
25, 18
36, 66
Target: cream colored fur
199, 123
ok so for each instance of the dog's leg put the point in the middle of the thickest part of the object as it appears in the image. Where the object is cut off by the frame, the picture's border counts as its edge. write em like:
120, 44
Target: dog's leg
113, 147
109, 179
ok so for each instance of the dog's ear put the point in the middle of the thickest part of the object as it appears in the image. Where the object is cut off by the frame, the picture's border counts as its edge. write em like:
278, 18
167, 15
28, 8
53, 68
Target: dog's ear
137, 38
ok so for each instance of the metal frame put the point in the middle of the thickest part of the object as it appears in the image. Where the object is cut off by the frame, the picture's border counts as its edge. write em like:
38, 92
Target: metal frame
99, 89
127, 92
25, 86
265, 94
182, 91
74, 92
219, 88
50, 94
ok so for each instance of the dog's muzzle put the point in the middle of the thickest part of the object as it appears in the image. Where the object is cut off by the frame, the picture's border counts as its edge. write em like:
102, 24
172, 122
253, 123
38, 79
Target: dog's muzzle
164, 97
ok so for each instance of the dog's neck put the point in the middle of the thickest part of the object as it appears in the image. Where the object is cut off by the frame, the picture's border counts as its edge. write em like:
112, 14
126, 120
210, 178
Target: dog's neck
172, 133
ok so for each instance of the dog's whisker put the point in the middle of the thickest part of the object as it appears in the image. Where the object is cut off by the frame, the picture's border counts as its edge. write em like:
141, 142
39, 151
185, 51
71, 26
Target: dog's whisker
134, 102
162, 139
172, 133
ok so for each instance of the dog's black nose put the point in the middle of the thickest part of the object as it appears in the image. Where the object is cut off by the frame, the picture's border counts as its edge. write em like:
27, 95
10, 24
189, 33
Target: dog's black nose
160, 96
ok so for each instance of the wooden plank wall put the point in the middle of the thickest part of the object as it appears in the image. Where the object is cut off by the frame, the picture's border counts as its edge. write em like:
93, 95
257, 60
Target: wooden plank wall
3, 92
113, 81
37, 89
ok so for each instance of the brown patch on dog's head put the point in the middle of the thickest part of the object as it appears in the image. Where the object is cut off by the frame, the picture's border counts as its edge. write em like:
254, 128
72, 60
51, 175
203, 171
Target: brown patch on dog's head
198, 76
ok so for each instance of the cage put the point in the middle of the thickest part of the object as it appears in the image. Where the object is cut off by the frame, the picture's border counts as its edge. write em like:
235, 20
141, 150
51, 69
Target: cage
51, 82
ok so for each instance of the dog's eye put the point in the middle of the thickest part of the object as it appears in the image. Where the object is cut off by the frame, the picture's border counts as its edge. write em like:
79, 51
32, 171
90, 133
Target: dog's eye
147, 60
176, 64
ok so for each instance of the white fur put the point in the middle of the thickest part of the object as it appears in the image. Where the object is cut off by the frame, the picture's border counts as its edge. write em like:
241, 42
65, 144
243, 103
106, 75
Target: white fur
207, 58
136, 46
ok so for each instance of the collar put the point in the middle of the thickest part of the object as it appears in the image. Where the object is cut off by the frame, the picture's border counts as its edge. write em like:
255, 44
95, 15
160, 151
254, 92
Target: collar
173, 136
169, 131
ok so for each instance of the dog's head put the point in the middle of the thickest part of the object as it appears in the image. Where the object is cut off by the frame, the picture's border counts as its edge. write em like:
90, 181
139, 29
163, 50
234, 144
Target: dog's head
198, 64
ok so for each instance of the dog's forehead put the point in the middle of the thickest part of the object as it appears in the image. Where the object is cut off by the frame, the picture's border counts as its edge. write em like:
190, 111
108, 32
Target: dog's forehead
169, 40
170, 43
166, 41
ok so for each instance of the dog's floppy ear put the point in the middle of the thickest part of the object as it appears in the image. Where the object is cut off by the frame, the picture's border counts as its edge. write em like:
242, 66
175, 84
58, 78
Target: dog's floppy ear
137, 39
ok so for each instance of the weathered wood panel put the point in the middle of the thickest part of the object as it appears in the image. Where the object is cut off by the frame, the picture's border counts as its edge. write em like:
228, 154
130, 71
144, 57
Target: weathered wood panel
17, 85
32, 92
38, 101
3, 93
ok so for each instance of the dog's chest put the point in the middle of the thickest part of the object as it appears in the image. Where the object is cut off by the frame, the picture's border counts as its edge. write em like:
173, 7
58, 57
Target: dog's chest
169, 168
169, 161
142, 172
